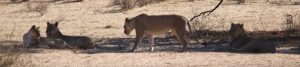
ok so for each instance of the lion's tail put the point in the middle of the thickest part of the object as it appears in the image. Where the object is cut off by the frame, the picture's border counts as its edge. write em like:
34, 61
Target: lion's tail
190, 30
189, 26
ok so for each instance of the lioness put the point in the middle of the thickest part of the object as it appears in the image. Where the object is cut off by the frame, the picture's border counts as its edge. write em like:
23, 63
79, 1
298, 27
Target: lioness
31, 38
155, 25
54, 43
81, 42
241, 41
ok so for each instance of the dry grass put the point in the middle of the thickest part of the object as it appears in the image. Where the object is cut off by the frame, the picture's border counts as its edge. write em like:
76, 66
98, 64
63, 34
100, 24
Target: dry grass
241, 1
284, 2
79, 17
8, 59
39, 7
15, 1
12, 57
129, 4
292, 23
78, 0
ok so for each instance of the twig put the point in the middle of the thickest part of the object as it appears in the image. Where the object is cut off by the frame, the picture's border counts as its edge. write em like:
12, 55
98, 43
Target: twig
12, 32
206, 13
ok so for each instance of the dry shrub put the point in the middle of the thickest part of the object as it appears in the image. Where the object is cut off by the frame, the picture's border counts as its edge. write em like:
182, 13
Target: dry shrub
116, 2
284, 2
146, 2
240, 1
191, 0
129, 4
8, 59
296, 3
208, 23
291, 24
78, 0
38, 7
12, 58
209, 31
14, 1
125, 4
10, 54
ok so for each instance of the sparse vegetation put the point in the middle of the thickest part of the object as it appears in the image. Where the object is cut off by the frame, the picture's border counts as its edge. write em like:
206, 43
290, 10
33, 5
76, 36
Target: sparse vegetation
191, 0
14, 1
78, 0
90, 18
10, 58
240, 1
38, 7
129, 4
291, 24
296, 3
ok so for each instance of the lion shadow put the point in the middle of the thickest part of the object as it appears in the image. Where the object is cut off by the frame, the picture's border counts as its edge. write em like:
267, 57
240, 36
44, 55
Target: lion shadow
123, 45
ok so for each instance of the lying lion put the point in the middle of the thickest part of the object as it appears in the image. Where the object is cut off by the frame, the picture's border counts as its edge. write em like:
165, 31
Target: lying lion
240, 41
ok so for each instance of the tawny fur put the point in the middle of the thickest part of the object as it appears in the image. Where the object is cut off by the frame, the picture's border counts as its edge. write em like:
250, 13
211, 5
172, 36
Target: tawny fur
241, 41
81, 42
31, 38
150, 25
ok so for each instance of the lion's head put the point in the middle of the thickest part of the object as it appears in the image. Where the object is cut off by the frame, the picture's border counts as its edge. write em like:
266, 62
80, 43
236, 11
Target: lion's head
129, 25
236, 30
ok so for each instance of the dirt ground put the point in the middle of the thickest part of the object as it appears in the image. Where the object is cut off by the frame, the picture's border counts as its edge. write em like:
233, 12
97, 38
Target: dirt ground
90, 17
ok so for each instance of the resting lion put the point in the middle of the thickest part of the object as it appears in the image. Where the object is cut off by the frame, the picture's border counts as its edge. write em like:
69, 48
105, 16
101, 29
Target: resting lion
241, 41
150, 25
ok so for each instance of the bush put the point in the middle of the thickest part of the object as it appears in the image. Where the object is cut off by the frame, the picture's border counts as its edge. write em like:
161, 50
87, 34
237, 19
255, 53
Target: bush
129, 4
14, 1
8, 59
39, 7
10, 56
291, 24
240, 1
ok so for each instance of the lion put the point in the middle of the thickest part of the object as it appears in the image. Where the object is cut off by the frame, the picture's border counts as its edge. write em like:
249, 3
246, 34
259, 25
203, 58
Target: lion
240, 41
81, 42
31, 38
151, 25
54, 43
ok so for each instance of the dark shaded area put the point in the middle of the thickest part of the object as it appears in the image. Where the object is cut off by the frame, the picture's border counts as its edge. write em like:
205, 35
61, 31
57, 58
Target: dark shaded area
213, 39
16, 46
284, 38
48, 1
72, 1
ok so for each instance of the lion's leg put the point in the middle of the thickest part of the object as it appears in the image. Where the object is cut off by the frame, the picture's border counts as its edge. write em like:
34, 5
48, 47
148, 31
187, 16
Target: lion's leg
150, 42
174, 33
138, 39
181, 35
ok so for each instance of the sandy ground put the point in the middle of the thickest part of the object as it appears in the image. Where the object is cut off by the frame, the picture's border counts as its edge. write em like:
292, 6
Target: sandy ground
164, 59
89, 18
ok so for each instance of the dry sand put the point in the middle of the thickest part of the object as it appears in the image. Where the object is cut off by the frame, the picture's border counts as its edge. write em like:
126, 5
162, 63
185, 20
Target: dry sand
89, 18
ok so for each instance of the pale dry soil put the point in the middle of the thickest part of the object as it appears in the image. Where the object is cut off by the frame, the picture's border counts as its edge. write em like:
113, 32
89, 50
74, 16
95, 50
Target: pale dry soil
89, 18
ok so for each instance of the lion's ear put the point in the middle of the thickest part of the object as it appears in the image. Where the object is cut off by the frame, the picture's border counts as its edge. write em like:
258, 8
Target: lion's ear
126, 19
48, 23
56, 24
242, 25
33, 27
